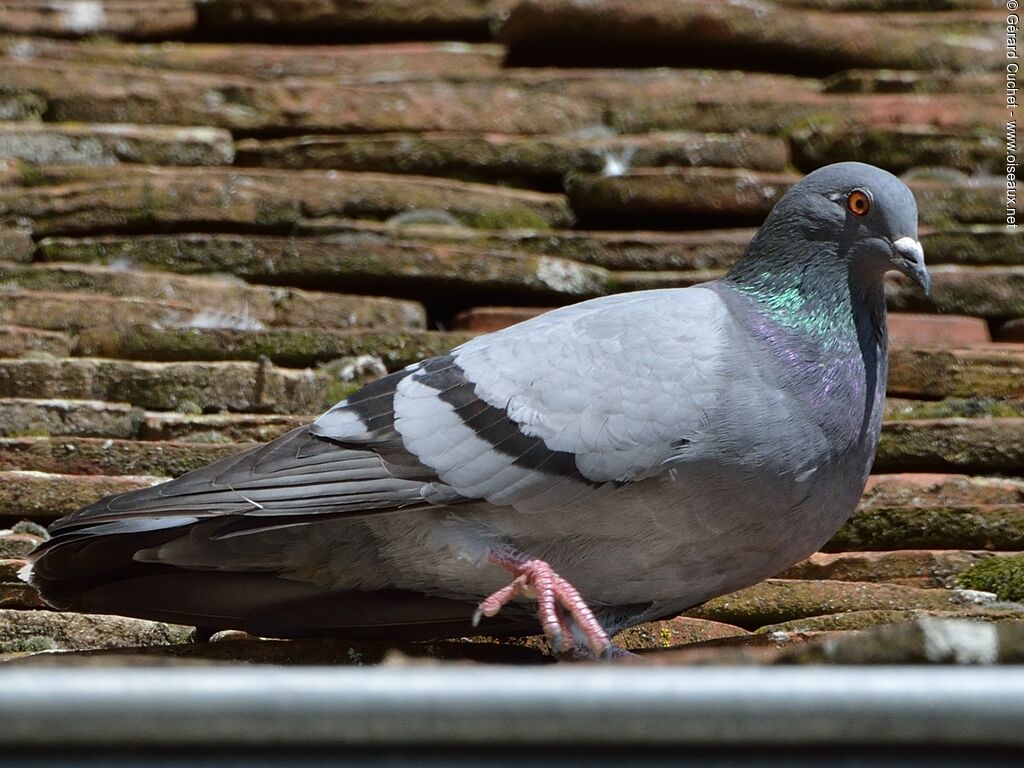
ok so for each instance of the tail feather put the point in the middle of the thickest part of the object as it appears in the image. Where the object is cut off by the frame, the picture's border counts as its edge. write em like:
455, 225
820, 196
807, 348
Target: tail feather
93, 569
70, 564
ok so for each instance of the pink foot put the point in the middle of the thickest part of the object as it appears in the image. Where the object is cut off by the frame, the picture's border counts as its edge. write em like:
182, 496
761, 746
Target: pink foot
537, 579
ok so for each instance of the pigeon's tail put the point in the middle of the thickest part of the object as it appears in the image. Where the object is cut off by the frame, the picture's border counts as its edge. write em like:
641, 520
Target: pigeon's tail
67, 568
96, 569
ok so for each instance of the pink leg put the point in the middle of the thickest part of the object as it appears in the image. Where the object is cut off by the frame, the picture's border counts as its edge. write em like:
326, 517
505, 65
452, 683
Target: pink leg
537, 579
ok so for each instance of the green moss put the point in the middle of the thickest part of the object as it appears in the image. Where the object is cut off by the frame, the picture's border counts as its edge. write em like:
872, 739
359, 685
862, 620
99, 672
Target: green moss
296, 348
338, 391
30, 644
512, 217
956, 445
209, 437
840, 622
777, 600
1002, 575
102, 39
31, 175
993, 526
28, 433
98, 456
189, 407
897, 149
941, 206
954, 407
980, 244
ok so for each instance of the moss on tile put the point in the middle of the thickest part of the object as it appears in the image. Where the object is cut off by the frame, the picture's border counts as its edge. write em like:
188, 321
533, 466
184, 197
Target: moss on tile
952, 445
993, 526
901, 409
1002, 575
294, 347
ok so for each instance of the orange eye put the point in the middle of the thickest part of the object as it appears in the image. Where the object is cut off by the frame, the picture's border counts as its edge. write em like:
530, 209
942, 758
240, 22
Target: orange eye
858, 202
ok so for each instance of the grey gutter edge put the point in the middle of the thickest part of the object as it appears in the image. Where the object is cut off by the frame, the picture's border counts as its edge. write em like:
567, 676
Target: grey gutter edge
480, 705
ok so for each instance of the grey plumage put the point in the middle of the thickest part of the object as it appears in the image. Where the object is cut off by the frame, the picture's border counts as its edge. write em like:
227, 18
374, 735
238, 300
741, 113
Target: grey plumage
656, 448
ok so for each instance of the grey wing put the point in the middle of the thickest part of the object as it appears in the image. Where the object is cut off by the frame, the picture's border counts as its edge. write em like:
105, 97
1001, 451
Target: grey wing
561, 408
543, 414
355, 461
615, 388
298, 474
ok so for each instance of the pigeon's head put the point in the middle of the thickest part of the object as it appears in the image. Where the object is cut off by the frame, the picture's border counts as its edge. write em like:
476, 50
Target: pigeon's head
858, 214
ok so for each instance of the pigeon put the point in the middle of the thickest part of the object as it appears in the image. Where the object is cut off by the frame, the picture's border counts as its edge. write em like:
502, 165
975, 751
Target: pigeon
607, 463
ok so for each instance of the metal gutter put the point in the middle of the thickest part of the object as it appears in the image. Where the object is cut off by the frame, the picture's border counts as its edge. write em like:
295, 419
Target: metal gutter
484, 706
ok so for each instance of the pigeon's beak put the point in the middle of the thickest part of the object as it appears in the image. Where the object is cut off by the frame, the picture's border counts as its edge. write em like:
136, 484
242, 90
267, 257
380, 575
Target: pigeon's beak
908, 258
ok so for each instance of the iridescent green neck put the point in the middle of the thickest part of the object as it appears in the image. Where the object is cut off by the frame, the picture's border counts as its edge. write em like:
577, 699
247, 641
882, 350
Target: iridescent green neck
810, 301
803, 284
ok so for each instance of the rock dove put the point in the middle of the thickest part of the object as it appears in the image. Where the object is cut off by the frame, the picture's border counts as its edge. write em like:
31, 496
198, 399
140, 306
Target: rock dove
607, 463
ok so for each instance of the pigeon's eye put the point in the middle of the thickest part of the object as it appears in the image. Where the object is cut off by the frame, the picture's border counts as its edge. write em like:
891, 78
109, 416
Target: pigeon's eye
858, 202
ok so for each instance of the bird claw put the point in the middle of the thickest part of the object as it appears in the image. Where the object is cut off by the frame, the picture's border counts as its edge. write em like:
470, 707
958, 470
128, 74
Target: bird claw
555, 598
